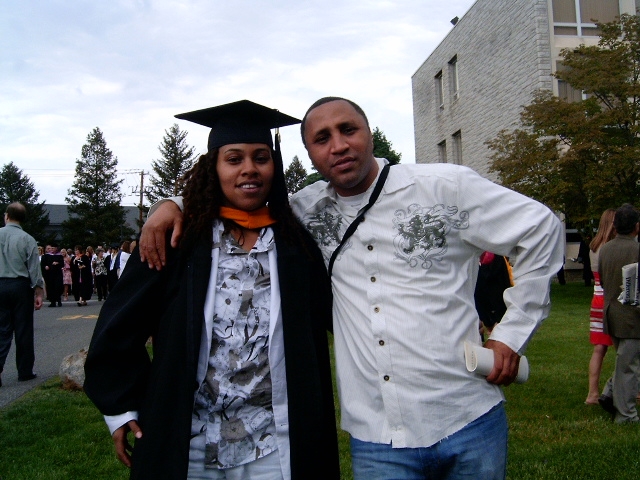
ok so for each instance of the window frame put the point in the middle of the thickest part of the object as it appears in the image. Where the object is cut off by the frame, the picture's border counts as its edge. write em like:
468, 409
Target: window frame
579, 25
439, 89
456, 141
454, 85
442, 152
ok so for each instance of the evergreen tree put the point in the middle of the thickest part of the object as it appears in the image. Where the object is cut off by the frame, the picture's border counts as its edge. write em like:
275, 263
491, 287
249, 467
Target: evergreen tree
177, 159
581, 157
95, 213
382, 147
313, 177
15, 186
295, 175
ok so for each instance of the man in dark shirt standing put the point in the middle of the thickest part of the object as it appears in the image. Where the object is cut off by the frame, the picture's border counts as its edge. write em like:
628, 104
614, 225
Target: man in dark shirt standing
21, 289
52, 263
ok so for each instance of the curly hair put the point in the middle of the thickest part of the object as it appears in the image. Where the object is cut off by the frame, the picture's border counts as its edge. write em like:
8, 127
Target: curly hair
203, 198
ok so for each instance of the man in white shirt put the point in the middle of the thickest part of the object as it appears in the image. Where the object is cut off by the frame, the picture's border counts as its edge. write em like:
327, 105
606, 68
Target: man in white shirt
403, 287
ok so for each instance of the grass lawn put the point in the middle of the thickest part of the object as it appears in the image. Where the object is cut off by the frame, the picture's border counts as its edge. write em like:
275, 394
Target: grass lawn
54, 434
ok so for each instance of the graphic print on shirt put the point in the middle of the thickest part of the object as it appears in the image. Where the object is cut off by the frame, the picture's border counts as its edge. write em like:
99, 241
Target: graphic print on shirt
422, 232
326, 228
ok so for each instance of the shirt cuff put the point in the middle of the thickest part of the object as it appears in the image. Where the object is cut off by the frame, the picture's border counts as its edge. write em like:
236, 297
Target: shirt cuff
114, 422
154, 207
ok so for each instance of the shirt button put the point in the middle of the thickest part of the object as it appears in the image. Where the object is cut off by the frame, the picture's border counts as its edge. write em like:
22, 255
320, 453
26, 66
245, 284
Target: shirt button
381, 343
373, 279
369, 247
377, 309
386, 378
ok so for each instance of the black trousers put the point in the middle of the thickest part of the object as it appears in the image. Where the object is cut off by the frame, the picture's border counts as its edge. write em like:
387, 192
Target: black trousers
101, 286
16, 316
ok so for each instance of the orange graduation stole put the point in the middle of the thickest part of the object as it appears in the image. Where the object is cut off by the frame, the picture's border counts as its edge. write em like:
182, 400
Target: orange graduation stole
252, 220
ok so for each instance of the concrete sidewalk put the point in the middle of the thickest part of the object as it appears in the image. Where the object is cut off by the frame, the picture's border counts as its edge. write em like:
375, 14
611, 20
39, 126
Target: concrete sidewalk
59, 332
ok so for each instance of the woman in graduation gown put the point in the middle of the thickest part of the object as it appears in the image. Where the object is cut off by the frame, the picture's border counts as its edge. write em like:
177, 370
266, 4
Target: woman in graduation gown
239, 385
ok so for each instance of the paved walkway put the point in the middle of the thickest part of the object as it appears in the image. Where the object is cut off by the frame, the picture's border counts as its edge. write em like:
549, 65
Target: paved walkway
59, 332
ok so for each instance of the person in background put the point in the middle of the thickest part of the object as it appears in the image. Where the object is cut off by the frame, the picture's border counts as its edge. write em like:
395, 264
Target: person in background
494, 277
81, 276
124, 256
240, 384
21, 290
52, 264
411, 407
66, 274
100, 274
92, 254
621, 321
598, 338
585, 259
112, 262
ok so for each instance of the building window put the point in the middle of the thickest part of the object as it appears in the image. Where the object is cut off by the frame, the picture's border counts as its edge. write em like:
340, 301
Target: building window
575, 17
453, 77
442, 151
566, 91
456, 138
439, 91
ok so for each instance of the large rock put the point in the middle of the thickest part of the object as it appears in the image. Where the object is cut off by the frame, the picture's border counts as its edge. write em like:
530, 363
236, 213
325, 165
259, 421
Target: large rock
72, 370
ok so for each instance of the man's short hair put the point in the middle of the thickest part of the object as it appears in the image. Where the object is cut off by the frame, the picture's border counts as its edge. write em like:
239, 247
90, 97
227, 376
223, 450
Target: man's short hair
625, 219
16, 212
324, 100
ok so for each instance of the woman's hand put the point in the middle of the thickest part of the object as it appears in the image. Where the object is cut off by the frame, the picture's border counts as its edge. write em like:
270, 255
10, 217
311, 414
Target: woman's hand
121, 442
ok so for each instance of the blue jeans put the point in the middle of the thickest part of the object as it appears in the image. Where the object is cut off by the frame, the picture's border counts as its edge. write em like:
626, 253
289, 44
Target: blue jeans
478, 451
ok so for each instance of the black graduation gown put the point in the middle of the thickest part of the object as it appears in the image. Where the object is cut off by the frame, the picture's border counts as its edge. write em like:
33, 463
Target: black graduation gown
169, 305
81, 278
52, 275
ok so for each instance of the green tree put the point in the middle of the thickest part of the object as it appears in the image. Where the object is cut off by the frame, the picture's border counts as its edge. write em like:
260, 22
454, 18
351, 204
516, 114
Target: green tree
313, 177
15, 186
96, 215
177, 158
581, 157
382, 147
295, 175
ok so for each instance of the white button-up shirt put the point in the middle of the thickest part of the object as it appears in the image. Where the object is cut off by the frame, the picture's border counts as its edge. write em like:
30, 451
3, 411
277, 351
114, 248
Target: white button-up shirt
403, 295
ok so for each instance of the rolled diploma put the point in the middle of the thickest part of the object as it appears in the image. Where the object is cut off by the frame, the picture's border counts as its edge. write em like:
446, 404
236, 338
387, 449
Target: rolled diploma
480, 360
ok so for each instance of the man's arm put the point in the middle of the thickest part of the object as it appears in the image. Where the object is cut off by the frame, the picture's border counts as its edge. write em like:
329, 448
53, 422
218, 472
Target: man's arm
509, 224
163, 216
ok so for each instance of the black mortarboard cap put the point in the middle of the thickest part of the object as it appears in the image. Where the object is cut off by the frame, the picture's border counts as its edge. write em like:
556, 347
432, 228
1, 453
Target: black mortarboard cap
239, 122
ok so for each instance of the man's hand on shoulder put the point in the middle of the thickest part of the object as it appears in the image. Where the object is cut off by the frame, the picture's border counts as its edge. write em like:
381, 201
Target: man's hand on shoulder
506, 362
166, 217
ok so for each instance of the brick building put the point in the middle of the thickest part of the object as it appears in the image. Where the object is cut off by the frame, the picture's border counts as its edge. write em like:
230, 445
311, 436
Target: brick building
476, 81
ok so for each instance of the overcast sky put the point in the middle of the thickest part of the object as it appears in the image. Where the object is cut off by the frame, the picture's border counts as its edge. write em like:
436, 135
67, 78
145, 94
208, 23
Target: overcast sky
128, 66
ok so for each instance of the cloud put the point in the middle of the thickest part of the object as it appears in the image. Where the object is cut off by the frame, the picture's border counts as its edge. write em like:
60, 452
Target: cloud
129, 66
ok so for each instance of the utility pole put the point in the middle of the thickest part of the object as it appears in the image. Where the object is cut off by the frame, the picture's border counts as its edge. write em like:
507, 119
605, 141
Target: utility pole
141, 194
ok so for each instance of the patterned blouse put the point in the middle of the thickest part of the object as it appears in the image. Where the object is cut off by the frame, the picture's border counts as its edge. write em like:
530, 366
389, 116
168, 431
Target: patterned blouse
234, 404
98, 266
